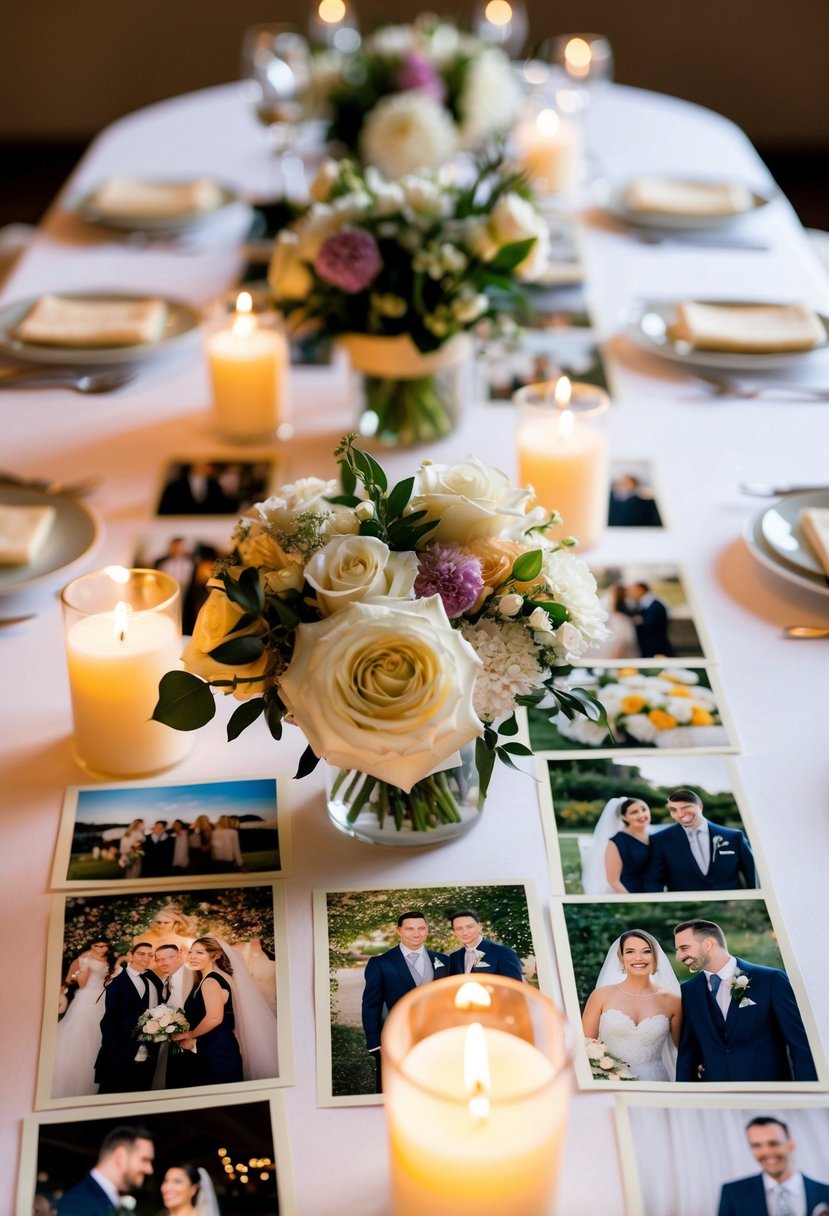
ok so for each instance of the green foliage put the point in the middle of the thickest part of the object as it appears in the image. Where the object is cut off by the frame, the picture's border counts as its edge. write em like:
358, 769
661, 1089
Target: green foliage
184, 701
352, 1067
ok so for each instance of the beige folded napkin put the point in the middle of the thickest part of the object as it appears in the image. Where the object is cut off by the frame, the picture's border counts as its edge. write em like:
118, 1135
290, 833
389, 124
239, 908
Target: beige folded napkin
672, 197
23, 532
54, 321
125, 198
750, 328
814, 523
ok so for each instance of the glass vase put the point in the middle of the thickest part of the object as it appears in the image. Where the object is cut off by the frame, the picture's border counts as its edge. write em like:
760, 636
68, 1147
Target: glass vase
438, 808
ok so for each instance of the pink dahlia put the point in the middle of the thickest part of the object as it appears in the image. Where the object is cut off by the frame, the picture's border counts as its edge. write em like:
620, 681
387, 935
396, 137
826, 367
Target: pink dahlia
349, 260
447, 571
417, 72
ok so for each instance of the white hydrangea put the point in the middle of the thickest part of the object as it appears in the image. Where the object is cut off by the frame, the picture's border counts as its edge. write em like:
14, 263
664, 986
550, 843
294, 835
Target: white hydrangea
490, 98
510, 666
408, 131
573, 585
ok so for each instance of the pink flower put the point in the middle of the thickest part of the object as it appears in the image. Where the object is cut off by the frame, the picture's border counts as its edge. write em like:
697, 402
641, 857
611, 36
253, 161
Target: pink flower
447, 571
349, 260
417, 72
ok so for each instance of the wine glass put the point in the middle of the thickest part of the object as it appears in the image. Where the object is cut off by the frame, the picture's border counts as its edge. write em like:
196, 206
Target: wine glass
333, 24
276, 69
503, 23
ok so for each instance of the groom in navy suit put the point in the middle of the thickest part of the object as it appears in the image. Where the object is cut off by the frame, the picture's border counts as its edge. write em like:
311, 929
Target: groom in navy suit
133, 990
740, 1021
695, 854
125, 1159
478, 953
780, 1187
391, 975
650, 620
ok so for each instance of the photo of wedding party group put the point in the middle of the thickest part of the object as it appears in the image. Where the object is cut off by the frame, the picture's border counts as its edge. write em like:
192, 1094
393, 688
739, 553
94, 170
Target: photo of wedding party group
657, 823
228, 1159
371, 947
201, 486
189, 557
725, 1157
534, 356
165, 991
151, 833
648, 613
681, 993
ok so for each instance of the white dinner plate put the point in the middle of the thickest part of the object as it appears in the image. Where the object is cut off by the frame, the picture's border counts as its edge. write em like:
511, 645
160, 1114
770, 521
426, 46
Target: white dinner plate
611, 197
780, 524
759, 548
75, 534
160, 224
182, 322
647, 324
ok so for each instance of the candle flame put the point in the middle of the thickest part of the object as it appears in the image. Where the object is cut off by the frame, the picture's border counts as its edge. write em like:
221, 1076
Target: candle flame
244, 322
547, 123
578, 56
565, 424
118, 574
498, 12
476, 1072
563, 391
331, 11
472, 995
122, 620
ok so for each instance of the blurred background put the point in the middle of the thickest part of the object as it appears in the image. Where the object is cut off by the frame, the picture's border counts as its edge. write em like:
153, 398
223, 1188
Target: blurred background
68, 70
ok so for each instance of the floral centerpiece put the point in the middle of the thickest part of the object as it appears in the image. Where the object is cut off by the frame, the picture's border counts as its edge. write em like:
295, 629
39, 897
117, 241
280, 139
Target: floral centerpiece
401, 271
414, 95
604, 1065
392, 628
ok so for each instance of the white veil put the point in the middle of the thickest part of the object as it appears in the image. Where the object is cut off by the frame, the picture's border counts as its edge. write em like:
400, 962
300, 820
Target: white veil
255, 1020
613, 972
594, 875
206, 1203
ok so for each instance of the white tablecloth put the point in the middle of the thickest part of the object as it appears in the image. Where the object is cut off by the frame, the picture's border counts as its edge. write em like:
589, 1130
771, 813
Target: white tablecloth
776, 689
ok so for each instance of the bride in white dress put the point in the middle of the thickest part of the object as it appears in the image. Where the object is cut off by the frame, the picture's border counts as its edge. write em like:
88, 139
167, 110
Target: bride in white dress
78, 1033
635, 1008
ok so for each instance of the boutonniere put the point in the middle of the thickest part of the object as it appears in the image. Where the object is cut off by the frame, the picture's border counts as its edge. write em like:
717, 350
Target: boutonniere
716, 844
126, 1204
479, 959
740, 985
436, 963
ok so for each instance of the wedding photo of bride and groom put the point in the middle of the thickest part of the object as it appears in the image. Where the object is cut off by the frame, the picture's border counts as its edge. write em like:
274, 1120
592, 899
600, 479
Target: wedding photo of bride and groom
162, 992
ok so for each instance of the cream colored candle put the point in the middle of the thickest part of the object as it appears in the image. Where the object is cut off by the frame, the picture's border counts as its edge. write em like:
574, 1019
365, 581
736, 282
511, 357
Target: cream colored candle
549, 149
248, 369
563, 455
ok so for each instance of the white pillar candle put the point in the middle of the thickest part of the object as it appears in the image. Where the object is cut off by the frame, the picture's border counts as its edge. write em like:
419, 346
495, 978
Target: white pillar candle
549, 148
248, 368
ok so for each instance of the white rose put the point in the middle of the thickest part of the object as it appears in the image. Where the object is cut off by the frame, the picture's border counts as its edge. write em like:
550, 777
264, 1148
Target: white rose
278, 513
510, 605
352, 568
469, 500
151, 1026
279, 570
288, 276
595, 1049
407, 131
214, 624
514, 219
540, 621
384, 688
164, 1019
490, 98
342, 521
606, 1062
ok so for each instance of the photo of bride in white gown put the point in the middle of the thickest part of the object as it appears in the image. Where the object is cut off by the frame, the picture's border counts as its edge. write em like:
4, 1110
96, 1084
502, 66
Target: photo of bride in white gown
635, 1010
78, 1034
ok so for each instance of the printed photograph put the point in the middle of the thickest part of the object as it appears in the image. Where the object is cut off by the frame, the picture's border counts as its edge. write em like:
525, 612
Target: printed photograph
676, 709
214, 487
633, 498
685, 993
189, 558
111, 834
648, 613
374, 946
658, 823
189, 1156
532, 356
735, 1157
161, 991
561, 307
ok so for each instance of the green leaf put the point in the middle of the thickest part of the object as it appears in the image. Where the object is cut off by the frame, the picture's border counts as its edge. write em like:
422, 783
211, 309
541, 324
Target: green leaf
242, 717
510, 256
557, 613
484, 763
400, 496
246, 591
516, 749
288, 616
308, 761
348, 480
528, 566
510, 727
184, 701
238, 651
505, 758
344, 500
370, 527
274, 713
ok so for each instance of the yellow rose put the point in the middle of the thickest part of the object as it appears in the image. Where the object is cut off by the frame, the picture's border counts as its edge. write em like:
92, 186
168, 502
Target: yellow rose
662, 720
497, 558
215, 624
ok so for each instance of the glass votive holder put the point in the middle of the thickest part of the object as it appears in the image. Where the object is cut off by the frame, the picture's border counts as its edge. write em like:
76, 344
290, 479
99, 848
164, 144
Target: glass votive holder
550, 148
585, 59
563, 453
502, 23
476, 1084
248, 358
122, 632
333, 24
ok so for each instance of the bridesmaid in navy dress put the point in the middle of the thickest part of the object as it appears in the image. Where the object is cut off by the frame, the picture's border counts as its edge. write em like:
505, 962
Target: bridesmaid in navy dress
209, 1010
626, 857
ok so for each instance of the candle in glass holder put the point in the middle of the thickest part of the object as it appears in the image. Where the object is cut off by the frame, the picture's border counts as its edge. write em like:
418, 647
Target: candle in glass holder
122, 634
563, 454
248, 363
476, 1089
549, 148
333, 23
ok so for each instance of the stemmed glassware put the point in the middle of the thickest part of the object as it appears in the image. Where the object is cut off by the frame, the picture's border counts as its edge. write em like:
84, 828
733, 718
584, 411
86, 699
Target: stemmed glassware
276, 69
503, 23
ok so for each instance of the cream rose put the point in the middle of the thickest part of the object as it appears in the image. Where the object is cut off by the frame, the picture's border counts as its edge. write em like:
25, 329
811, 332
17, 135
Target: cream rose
352, 568
468, 500
151, 1026
384, 688
280, 571
288, 276
214, 624
514, 219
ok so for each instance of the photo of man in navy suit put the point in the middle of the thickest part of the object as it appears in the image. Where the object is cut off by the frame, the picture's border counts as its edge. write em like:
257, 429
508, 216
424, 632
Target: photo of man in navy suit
740, 1020
133, 990
478, 953
781, 1187
695, 854
650, 620
390, 975
125, 1160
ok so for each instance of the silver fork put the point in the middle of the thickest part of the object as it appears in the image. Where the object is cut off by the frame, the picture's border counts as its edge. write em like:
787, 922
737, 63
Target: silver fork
105, 381
723, 386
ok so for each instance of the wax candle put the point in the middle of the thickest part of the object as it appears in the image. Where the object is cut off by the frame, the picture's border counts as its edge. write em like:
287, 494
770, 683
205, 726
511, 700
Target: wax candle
563, 454
549, 148
248, 368
116, 658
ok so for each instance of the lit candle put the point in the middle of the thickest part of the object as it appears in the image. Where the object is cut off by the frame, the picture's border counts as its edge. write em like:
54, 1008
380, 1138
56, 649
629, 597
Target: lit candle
333, 24
116, 658
549, 148
578, 57
248, 368
563, 454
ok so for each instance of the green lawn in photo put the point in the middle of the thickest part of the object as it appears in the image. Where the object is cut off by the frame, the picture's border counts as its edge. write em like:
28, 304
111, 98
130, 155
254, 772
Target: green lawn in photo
83, 866
568, 847
352, 1066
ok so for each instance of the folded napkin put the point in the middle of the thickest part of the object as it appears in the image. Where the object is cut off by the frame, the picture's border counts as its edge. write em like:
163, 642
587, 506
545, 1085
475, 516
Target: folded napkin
125, 198
54, 321
814, 523
23, 532
672, 197
751, 328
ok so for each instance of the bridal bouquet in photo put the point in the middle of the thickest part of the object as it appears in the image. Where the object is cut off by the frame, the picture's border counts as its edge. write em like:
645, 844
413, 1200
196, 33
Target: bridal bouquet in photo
393, 627
414, 95
604, 1065
400, 272
158, 1025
